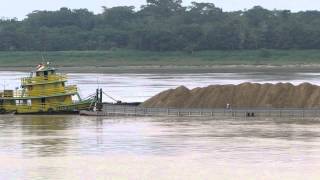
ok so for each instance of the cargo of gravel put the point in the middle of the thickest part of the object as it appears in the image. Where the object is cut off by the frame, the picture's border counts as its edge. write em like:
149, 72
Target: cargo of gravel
281, 95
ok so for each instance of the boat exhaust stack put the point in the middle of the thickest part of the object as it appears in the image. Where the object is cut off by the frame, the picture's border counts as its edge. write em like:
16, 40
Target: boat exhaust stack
99, 99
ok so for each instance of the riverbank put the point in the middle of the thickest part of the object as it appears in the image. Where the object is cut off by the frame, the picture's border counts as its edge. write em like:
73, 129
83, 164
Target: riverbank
122, 57
175, 69
119, 60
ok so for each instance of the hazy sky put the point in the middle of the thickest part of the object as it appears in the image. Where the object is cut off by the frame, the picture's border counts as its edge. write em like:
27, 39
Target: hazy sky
19, 8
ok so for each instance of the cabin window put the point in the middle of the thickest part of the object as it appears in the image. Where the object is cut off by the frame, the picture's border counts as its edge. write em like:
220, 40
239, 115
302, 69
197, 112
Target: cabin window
43, 100
40, 73
45, 73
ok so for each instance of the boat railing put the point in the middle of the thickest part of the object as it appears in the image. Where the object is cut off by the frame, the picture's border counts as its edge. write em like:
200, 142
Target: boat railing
45, 92
43, 79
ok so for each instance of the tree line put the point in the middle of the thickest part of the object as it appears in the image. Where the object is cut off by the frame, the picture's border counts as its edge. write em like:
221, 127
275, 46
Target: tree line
162, 25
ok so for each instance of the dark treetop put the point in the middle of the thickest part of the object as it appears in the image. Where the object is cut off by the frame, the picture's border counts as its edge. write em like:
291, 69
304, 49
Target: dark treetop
162, 25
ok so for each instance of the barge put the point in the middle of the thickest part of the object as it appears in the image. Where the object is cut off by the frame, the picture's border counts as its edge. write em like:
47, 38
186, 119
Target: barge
112, 110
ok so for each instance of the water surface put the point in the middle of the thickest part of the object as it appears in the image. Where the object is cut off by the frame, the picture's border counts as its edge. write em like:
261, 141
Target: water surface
77, 147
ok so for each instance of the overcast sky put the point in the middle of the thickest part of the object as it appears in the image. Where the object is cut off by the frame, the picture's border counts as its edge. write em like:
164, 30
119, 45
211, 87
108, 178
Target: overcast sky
19, 8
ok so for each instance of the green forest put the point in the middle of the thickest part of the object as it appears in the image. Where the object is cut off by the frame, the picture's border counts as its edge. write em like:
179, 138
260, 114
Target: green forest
162, 25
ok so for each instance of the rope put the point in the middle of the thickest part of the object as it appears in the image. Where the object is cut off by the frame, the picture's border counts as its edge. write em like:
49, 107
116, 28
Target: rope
109, 96
90, 96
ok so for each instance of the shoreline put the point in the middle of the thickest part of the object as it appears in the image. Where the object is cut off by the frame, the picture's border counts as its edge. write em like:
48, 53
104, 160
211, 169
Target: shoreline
175, 69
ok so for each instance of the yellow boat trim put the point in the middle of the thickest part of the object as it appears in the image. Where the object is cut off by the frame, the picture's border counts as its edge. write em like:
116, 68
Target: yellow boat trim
43, 80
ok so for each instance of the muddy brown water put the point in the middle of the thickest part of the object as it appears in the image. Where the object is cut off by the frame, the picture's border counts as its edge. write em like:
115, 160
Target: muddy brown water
77, 147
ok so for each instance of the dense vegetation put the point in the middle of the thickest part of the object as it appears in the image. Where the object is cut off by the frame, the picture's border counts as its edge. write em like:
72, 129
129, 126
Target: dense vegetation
162, 25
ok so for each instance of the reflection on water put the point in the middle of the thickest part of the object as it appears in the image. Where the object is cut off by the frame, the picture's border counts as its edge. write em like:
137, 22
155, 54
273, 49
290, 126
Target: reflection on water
46, 146
50, 129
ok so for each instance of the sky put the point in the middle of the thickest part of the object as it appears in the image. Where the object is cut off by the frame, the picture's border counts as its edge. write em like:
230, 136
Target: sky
20, 8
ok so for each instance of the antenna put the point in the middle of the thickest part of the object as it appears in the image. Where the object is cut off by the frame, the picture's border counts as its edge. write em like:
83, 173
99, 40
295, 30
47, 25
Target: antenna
4, 87
98, 82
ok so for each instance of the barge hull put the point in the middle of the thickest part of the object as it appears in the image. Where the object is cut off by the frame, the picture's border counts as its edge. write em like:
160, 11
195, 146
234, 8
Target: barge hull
125, 110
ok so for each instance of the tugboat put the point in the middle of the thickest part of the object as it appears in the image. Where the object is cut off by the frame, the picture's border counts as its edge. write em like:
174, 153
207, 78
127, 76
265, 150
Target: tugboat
44, 92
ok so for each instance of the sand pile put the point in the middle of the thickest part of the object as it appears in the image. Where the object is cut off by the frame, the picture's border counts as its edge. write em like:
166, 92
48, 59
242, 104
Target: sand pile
281, 95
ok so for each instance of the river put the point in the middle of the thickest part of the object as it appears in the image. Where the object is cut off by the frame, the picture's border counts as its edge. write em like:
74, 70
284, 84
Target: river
78, 147
138, 87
